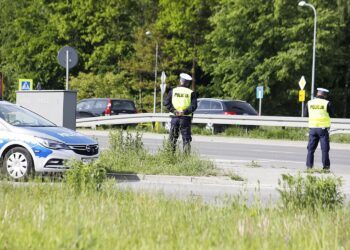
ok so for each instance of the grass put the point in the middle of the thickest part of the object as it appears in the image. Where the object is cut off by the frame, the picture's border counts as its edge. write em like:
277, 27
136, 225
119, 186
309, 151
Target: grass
127, 155
53, 217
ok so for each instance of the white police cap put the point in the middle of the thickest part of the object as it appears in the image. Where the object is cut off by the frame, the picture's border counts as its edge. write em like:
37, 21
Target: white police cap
185, 76
323, 90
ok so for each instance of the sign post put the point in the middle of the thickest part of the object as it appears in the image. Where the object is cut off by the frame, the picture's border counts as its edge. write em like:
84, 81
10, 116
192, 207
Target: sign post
302, 84
162, 89
67, 58
260, 95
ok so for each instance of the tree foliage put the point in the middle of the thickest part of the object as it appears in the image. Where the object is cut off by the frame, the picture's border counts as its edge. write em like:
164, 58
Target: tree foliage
229, 46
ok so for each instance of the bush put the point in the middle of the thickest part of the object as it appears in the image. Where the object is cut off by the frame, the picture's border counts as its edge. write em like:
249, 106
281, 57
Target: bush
310, 192
85, 177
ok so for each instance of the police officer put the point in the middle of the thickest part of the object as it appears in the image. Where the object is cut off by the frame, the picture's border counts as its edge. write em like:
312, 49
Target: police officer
319, 111
182, 102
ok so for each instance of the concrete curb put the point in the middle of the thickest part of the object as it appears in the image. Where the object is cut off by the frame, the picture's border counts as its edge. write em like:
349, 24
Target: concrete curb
219, 180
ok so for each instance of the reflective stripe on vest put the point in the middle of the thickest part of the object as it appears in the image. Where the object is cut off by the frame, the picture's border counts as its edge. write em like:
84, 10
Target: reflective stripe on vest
181, 98
318, 115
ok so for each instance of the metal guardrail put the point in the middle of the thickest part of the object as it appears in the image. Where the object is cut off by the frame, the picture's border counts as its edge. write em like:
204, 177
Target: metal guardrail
338, 124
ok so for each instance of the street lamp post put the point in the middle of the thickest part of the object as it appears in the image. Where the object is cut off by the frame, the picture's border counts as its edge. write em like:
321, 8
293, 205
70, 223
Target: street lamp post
148, 33
303, 3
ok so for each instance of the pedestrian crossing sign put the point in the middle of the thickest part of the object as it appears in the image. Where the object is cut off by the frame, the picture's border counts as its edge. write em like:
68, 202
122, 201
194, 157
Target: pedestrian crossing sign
25, 84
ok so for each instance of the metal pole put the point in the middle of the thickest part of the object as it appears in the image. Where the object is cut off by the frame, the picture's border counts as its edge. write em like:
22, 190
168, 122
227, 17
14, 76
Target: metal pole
67, 69
161, 102
303, 3
260, 101
155, 80
302, 109
313, 53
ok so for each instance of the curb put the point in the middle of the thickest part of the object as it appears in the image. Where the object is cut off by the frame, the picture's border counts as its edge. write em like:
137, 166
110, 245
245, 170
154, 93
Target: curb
222, 180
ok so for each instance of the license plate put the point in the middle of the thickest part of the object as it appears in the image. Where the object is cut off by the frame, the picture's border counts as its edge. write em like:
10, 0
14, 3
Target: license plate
88, 160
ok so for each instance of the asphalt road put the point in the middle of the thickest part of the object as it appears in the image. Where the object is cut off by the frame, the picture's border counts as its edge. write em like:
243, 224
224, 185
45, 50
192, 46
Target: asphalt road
250, 152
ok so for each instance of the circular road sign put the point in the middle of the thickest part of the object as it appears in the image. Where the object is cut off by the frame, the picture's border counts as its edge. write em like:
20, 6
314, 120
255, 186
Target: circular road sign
72, 57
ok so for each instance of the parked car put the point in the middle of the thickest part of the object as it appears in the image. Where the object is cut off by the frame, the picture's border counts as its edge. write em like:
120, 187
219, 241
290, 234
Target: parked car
213, 106
104, 106
29, 142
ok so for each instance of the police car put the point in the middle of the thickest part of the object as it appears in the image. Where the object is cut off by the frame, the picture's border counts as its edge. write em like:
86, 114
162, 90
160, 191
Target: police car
29, 143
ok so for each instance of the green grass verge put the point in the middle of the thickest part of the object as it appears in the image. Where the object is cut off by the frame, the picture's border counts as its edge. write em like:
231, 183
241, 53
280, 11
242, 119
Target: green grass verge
127, 155
53, 217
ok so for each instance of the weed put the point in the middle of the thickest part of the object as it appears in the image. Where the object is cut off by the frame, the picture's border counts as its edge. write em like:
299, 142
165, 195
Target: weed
236, 177
127, 154
85, 177
253, 164
310, 192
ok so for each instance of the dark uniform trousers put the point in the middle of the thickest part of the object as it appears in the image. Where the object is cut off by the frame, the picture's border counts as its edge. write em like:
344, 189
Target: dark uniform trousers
183, 124
318, 135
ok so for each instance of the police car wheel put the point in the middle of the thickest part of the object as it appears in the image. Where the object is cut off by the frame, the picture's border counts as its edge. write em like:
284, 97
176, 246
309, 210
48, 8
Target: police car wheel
18, 163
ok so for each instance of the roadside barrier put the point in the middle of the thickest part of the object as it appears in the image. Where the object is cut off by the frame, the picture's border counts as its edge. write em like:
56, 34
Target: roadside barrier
338, 125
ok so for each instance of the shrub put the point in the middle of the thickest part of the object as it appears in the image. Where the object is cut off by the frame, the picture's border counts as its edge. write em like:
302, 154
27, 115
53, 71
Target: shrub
85, 176
310, 192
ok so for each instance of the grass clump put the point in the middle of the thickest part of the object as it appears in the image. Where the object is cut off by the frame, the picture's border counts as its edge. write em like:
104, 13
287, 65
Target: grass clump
310, 192
85, 176
128, 155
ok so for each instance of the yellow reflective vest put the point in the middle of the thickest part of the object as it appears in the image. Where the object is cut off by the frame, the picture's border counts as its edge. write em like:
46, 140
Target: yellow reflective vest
181, 98
318, 115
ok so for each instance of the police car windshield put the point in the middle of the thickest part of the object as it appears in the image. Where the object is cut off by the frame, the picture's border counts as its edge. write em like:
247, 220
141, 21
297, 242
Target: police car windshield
21, 117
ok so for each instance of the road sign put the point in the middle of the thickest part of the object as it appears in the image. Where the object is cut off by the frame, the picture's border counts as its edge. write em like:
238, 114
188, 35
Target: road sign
302, 95
162, 88
259, 92
25, 84
68, 58
302, 83
72, 55
163, 77
163, 85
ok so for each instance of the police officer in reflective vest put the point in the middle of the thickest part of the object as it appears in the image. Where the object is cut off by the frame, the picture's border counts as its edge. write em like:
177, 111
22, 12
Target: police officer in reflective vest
182, 102
319, 111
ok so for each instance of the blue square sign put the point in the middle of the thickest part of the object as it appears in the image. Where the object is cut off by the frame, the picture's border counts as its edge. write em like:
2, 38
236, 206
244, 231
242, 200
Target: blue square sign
25, 84
259, 92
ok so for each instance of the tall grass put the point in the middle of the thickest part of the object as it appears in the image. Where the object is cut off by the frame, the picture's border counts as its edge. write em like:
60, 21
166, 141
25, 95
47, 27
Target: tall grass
53, 217
310, 192
127, 154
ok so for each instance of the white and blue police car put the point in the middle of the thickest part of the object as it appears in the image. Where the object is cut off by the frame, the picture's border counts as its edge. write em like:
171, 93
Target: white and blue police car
29, 142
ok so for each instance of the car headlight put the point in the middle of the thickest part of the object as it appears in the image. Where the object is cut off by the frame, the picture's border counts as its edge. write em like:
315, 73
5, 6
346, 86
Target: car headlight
52, 144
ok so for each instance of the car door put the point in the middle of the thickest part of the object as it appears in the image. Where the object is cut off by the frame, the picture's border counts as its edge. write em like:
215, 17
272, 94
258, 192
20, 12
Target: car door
203, 107
216, 108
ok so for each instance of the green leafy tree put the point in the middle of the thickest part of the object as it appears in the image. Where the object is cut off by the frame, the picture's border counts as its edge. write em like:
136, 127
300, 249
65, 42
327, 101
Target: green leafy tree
182, 26
262, 43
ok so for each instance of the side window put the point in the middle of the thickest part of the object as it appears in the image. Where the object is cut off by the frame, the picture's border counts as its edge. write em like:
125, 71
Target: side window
203, 105
215, 105
85, 105
100, 104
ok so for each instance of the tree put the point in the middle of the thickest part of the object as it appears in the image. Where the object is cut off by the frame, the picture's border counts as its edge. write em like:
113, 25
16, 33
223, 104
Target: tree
262, 43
